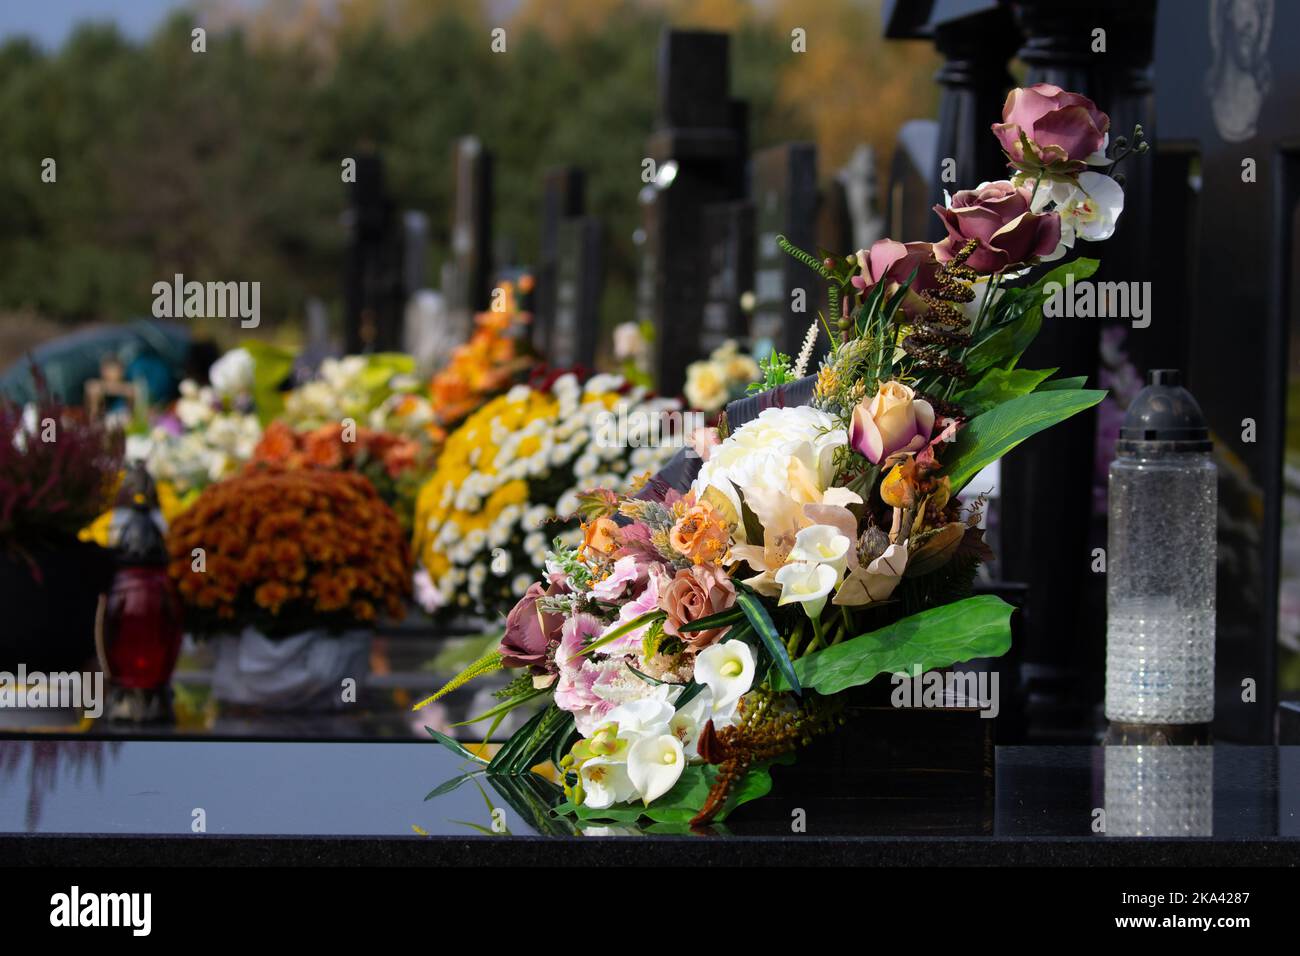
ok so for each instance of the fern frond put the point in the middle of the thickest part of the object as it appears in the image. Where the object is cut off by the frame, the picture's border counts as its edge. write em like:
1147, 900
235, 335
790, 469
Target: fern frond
491, 661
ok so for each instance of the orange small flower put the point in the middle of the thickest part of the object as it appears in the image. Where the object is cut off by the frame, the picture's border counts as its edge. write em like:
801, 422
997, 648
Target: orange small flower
701, 534
600, 536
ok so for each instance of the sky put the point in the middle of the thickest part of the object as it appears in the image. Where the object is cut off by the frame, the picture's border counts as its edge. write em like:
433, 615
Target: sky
49, 22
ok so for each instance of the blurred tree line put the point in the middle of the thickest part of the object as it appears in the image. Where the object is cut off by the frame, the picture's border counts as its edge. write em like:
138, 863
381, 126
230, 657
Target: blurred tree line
226, 164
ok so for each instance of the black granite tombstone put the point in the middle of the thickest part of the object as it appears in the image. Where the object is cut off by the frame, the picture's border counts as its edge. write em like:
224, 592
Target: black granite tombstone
729, 241
910, 211
578, 283
470, 278
1226, 91
695, 156
563, 192
372, 284
976, 39
787, 294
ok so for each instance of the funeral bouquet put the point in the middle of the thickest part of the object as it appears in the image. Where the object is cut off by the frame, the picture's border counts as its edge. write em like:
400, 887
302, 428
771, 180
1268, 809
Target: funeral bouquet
694, 633
486, 518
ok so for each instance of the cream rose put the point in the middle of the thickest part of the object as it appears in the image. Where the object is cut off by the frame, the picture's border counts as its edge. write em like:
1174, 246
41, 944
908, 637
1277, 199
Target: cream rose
894, 421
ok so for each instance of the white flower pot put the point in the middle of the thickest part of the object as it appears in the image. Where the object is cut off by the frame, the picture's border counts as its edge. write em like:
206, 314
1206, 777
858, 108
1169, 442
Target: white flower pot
302, 672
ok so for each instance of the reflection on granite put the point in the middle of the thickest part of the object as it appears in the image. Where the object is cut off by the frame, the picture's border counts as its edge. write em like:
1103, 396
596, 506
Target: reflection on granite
1159, 791
62, 787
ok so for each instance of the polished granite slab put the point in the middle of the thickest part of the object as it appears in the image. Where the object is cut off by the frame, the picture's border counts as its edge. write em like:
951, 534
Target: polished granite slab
138, 800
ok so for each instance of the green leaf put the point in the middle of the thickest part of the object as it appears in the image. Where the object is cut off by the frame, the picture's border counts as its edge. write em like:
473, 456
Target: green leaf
999, 385
453, 745
1080, 268
721, 619
271, 366
989, 436
1003, 347
517, 742
961, 631
625, 628
761, 621
503, 708
1063, 384
453, 784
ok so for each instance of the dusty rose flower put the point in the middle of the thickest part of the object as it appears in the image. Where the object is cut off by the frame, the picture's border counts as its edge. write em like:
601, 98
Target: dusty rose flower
997, 215
891, 262
694, 593
1065, 130
894, 421
529, 631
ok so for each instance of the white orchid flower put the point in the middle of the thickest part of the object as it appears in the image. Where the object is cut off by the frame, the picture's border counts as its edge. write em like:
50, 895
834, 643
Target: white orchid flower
654, 765
1094, 207
808, 584
727, 669
821, 544
605, 782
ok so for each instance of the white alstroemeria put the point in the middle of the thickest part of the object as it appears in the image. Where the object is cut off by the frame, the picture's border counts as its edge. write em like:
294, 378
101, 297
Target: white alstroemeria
654, 765
808, 584
605, 782
1094, 207
821, 544
727, 669
647, 716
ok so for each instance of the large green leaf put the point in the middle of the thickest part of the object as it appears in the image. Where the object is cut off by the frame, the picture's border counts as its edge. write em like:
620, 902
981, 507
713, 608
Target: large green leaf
1019, 320
961, 631
761, 621
999, 385
989, 436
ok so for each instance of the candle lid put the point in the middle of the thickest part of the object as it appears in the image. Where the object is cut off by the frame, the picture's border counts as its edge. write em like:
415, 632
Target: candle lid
1164, 417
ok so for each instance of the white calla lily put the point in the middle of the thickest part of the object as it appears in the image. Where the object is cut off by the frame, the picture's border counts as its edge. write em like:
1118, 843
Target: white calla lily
821, 544
690, 720
605, 782
654, 765
727, 669
808, 584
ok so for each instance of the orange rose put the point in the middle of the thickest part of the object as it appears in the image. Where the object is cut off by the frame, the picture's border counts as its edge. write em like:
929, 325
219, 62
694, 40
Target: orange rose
692, 594
701, 534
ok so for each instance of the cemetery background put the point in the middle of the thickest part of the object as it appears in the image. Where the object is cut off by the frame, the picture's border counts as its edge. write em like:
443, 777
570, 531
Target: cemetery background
475, 166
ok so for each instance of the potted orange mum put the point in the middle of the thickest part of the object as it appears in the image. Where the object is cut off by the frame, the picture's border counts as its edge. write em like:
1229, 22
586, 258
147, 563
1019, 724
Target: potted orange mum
288, 572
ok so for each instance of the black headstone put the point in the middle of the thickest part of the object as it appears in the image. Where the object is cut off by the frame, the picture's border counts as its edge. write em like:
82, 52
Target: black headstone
784, 180
729, 240
909, 210
372, 317
1228, 169
471, 228
578, 283
563, 195
696, 156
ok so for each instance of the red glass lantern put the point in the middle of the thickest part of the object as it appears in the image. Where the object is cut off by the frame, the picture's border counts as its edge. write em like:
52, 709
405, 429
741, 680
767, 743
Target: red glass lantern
141, 620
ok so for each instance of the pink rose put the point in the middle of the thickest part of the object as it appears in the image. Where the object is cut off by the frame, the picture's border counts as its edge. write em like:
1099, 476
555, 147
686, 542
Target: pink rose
694, 593
1063, 129
997, 215
893, 422
892, 262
